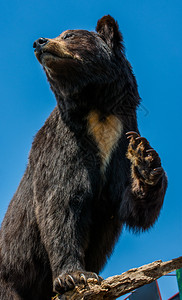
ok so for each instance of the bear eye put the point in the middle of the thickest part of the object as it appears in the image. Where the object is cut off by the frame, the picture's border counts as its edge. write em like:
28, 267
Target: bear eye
67, 35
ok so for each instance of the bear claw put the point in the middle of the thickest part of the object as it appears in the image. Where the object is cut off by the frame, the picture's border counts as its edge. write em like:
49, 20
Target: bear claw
156, 171
83, 278
132, 134
142, 139
70, 280
60, 281
96, 276
151, 151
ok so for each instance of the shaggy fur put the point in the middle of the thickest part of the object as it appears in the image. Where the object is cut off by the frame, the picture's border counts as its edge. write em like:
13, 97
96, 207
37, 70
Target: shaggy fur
85, 179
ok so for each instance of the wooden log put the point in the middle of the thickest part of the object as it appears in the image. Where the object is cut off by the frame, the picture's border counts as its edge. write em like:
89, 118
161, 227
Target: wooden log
116, 286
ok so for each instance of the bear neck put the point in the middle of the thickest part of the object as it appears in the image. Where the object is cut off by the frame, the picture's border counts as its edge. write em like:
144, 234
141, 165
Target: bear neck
108, 99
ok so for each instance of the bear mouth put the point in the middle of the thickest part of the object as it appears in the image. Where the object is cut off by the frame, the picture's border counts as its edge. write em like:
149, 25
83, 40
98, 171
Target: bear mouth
42, 54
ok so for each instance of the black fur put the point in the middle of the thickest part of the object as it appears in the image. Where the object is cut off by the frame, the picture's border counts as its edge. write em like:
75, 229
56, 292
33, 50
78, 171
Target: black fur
66, 214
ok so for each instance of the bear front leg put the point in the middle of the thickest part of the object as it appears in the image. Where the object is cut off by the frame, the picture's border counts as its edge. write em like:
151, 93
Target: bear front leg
143, 198
64, 229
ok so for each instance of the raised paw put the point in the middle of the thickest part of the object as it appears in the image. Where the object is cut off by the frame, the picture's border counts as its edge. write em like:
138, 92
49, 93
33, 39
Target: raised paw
145, 161
66, 282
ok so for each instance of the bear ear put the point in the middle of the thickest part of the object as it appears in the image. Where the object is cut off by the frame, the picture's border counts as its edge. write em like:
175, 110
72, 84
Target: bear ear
108, 29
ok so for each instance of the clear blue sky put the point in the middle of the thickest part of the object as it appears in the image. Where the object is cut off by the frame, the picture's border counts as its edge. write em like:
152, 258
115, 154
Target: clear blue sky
152, 32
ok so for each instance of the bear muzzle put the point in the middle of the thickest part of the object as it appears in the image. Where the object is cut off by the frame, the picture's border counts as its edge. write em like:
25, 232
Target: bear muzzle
39, 44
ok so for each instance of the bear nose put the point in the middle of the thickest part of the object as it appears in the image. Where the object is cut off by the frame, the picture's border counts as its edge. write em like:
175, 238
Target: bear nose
38, 44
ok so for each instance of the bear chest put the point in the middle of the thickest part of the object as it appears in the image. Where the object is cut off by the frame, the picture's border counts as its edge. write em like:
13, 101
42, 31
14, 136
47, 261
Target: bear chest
106, 132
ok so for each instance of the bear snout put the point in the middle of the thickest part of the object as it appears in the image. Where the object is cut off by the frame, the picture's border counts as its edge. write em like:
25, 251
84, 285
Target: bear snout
38, 44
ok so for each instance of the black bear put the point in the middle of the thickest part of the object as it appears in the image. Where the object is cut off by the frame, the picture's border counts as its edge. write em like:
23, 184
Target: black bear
89, 171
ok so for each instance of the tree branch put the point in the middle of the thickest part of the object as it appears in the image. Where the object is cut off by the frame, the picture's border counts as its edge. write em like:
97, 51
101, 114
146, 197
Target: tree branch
116, 286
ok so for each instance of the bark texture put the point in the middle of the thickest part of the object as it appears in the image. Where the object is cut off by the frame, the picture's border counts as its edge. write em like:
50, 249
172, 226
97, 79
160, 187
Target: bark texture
116, 286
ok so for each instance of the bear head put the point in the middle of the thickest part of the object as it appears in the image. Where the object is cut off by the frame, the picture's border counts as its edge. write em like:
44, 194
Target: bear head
91, 65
